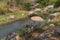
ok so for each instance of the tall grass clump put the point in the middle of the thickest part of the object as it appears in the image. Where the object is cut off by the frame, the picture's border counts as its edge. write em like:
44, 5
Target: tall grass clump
44, 3
3, 7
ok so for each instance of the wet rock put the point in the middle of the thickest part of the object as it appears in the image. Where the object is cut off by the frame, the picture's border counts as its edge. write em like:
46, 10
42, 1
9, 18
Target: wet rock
58, 30
11, 36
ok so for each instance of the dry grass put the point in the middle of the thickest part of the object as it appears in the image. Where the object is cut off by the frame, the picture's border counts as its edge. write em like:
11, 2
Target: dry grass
5, 18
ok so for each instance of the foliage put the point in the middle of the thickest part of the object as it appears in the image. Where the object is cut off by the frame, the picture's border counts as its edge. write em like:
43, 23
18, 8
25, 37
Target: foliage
57, 3
4, 19
44, 3
27, 5
41, 2
3, 7
24, 4
17, 1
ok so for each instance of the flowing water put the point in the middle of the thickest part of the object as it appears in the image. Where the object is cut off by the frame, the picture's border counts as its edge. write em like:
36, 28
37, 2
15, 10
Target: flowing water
5, 29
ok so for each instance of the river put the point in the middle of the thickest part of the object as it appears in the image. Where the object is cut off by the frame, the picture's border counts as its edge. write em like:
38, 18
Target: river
5, 29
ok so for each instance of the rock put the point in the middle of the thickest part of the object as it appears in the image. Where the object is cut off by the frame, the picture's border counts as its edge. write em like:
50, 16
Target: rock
37, 9
11, 36
51, 25
35, 6
52, 16
31, 14
12, 17
35, 35
50, 6
46, 9
17, 37
58, 30
37, 18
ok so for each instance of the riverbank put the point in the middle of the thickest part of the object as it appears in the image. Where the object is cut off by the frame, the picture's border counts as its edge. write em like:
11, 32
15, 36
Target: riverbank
4, 19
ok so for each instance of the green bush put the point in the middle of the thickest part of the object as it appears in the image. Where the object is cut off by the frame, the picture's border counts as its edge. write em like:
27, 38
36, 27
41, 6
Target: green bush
27, 6
57, 4
3, 7
41, 2
44, 3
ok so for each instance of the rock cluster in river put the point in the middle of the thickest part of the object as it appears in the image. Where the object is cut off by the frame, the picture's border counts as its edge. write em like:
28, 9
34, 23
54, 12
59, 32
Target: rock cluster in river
32, 34
12, 36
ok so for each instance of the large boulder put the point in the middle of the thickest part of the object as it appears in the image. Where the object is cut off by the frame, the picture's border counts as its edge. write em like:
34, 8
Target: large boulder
31, 14
37, 18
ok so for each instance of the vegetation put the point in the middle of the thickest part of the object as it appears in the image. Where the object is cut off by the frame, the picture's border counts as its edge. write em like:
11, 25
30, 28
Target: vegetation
44, 3
57, 3
4, 19
3, 8
14, 10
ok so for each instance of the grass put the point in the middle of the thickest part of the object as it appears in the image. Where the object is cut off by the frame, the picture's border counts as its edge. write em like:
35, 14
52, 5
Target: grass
4, 19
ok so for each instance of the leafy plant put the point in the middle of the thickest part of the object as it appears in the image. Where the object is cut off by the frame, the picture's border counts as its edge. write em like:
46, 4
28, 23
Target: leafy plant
44, 3
57, 3
27, 5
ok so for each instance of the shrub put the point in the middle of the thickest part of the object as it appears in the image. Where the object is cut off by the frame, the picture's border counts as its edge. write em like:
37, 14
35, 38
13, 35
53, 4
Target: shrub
44, 3
57, 4
27, 5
